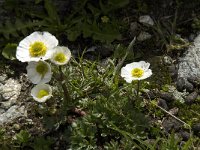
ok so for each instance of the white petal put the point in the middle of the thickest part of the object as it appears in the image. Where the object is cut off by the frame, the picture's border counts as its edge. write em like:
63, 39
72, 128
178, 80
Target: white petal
46, 78
22, 52
35, 79
144, 65
37, 88
133, 65
48, 54
35, 36
128, 79
125, 72
65, 51
50, 40
147, 74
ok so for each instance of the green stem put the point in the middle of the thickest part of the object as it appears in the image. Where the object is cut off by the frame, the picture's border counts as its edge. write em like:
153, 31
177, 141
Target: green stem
66, 94
138, 89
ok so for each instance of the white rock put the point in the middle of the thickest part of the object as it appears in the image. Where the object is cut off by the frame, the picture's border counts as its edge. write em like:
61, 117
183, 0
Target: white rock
9, 92
189, 64
146, 20
144, 36
12, 113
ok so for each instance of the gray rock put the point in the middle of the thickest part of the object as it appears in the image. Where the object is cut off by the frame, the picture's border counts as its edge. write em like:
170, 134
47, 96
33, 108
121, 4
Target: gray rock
183, 84
9, 92
2, 110
194, 80
162, 103
189, 63
171, 124
143, 36
3, 78
167, 96
191, 97
146, 20
149, 94
12, 113
172, 71
177, 95
167, 60
174, 111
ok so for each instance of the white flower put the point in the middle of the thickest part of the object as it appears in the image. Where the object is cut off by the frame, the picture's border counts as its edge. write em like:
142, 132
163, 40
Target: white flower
61, 55
41, 92
136, 71
36, 46
39, 72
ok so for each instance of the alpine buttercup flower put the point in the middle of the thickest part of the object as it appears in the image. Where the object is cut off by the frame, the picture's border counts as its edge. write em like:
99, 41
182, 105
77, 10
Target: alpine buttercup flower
136, 71
36, 46
61, 55
39, 72
41, 92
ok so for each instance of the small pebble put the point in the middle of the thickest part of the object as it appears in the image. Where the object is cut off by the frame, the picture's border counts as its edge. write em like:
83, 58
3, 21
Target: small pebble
174, 111
191, 97
194, 80
169, 97
162, 103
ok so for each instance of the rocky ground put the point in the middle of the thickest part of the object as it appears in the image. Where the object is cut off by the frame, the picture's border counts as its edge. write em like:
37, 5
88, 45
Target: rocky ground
17, 107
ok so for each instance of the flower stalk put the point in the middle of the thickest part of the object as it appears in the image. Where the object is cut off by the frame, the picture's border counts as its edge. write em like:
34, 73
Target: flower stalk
67, 97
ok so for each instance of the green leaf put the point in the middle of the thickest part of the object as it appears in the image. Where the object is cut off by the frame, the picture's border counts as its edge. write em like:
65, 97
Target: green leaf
9, 51
23, 136
38, 1
51, 10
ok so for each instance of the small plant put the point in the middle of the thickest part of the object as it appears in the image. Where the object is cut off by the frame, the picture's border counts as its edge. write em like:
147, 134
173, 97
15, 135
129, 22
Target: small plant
136, 71
22, 138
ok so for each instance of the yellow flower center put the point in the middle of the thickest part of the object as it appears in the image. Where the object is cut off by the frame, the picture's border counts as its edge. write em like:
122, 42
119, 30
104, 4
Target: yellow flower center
137, 72
60, 57
37, 49
42, 68
42, 93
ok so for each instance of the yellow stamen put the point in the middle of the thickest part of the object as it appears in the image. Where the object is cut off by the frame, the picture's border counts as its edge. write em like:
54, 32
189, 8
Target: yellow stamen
60, 57
37, 49
42, 93
137, 72
42, 68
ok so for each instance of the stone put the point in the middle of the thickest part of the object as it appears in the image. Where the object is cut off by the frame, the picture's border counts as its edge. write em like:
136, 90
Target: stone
143, 36
12, 113
174, 111
170, 124
3, 78
177, 95
191, 97
167, 60
9, 92
172, 71
169, 97
183, 84
162, 103
194, 80
189, 64
149, 94
146, 19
